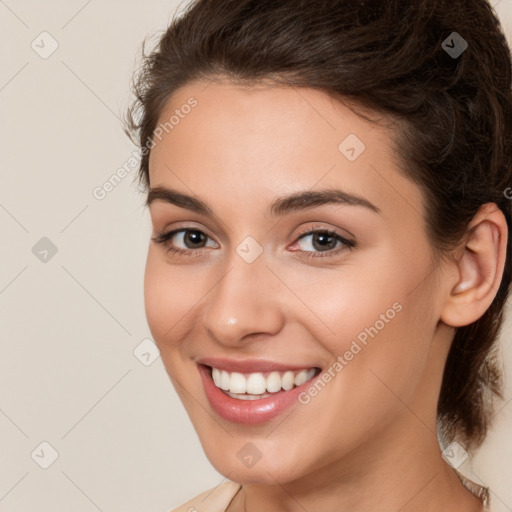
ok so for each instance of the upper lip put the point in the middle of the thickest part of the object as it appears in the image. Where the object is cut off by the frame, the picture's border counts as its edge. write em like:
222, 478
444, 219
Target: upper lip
250, 365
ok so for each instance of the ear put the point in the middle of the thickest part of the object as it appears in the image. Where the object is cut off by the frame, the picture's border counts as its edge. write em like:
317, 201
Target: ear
479, 268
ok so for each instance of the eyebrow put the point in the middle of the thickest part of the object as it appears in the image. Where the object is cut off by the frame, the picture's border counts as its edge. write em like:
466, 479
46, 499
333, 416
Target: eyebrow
281, 206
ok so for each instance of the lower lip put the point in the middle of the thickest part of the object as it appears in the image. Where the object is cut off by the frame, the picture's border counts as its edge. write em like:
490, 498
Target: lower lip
248, 412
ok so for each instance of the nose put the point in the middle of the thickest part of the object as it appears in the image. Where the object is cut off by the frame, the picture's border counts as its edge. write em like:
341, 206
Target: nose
244, 304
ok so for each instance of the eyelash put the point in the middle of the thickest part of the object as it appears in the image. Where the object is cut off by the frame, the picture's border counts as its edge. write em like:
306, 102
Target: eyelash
163, 239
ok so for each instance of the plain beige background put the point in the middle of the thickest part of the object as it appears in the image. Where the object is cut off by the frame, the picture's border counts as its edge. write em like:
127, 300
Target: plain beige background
81, 392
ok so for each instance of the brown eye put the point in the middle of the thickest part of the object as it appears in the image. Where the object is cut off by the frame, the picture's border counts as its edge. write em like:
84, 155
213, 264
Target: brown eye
194, 237
189, 239
324, 241
321, 241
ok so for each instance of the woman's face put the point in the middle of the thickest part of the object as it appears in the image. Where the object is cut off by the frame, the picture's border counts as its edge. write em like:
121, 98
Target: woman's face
258, 299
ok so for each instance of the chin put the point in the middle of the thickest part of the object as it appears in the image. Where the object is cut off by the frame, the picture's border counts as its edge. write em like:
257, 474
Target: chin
244, 467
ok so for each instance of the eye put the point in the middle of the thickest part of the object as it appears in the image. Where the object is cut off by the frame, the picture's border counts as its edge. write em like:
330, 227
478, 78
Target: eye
192, 239
324, 241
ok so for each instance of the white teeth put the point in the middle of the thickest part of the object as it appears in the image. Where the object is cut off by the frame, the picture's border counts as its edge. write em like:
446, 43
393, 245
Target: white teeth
254, 386
246, 396
301, 377
288, 380
273, 382
216, 376
237, 383
224, 380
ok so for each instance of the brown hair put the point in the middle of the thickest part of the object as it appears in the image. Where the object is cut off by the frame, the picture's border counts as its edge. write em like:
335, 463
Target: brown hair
452, 116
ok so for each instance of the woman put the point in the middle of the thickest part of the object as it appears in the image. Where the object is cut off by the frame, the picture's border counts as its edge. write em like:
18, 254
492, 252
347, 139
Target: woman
330, 256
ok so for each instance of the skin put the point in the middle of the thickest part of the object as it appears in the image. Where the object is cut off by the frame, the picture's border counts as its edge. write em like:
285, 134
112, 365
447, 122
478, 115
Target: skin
368, 440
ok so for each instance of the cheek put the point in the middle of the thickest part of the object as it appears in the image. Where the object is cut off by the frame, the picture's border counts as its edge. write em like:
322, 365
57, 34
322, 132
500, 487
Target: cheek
344, 303
170, 294
377, 320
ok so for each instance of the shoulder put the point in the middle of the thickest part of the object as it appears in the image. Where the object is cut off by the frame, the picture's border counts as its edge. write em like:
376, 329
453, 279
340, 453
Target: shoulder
212, 500
478, 490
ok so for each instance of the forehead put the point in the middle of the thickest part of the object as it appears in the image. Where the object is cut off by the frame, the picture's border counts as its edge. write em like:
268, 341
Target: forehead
261, 141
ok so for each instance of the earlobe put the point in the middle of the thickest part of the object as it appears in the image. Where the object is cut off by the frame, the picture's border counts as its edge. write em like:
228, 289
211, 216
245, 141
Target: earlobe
479, 267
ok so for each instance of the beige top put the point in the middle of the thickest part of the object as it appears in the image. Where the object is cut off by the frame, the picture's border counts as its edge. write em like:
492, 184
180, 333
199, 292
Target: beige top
218, 498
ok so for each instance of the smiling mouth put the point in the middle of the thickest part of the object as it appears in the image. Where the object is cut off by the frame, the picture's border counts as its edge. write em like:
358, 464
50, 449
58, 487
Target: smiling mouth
259, 385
